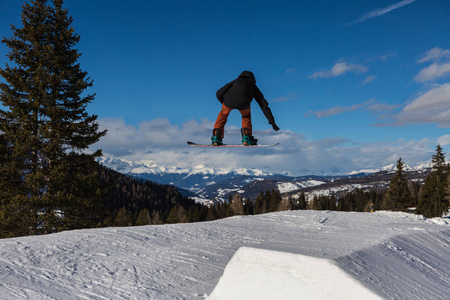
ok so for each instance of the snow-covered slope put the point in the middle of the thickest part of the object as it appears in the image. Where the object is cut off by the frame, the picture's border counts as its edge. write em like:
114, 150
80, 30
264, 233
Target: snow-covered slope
285, 187
394, 255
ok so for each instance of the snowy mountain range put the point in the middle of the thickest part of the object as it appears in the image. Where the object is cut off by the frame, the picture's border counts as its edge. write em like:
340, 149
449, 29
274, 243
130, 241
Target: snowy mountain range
149, 167
204, 182
201, 181
391, 168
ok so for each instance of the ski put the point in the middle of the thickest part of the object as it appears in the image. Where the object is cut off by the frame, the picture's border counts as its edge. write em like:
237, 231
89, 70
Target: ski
192, 144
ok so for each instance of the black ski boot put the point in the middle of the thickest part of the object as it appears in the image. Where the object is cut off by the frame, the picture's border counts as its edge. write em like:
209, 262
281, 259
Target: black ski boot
216, 139
247, 139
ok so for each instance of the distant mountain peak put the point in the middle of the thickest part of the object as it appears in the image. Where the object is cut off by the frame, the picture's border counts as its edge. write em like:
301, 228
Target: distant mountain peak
206, 182
139, 167
150, 167
392, 167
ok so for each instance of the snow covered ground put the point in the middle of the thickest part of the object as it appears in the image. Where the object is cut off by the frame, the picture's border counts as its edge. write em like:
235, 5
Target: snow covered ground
264, 274
384, 255
336, 190
285, 187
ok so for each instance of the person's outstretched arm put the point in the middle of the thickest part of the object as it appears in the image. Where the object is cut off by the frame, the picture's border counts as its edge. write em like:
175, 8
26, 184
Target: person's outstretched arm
264, 105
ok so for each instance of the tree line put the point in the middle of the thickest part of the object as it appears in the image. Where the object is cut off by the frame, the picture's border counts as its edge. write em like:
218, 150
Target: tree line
133, 201
430, 199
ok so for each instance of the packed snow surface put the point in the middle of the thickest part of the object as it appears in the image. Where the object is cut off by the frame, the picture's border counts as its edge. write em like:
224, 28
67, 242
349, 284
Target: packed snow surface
384, 254
265, 274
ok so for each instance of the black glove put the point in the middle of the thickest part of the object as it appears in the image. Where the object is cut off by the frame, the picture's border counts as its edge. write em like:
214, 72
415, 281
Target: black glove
275, 127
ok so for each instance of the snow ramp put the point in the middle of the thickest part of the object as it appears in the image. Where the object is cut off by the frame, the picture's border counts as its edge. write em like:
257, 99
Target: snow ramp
265, 274
408, 266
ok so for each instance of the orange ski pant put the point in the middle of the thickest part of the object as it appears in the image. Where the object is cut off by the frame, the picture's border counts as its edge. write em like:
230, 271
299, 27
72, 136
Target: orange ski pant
223, 117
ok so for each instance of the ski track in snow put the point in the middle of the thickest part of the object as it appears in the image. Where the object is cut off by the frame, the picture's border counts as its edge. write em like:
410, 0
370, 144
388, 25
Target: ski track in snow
395, 255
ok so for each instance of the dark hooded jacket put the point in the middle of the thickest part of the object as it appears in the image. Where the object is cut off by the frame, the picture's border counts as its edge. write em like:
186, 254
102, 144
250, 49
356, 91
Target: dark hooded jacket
240, 92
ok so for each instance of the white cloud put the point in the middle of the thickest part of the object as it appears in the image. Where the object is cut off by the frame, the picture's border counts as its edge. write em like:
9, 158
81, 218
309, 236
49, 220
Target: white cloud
289, 71
439, 68
336, 110
369, 79
434, 55
338, 69
164, 144
434, 71
291, 96
388, 56
381, 11
431, 107
382, 107
412, 152
444, 140
154, 135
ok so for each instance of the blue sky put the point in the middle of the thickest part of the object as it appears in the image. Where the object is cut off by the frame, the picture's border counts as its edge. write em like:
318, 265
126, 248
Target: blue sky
352, 84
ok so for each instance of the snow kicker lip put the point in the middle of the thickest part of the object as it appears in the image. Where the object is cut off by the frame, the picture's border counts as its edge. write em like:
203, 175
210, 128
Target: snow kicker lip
291, 276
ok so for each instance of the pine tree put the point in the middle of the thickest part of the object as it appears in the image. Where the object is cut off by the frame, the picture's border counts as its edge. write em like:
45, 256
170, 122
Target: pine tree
275, 200
156, 218
433, 201
398, 196
360, 200
50, 181
143, 218
173, 218
302, 204
123, 218
16, 216
229, 212
260, 207
285, 204
268, 203
345, 203
212, 213
182, 215
332, 203
221, 210
203, 212
315, 205
378, 200
237, 206
248, 207
324, 202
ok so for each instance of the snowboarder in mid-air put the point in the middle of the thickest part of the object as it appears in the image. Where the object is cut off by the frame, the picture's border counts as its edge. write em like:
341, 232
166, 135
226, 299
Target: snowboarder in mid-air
238, 94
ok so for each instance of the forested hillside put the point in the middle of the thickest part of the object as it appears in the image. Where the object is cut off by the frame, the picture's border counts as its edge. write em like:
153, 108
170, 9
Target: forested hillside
129, 200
